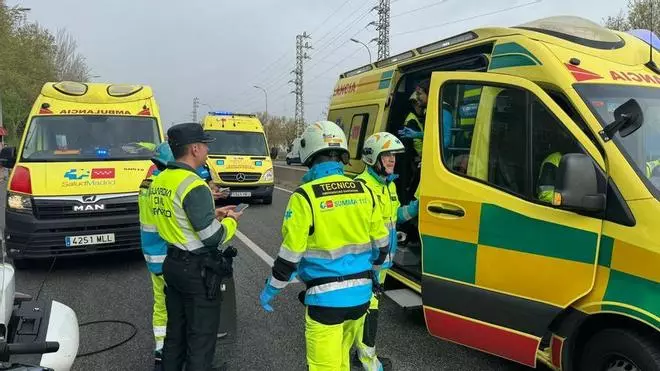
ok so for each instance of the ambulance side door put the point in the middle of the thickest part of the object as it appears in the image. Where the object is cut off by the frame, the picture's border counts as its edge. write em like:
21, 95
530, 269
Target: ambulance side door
499, 264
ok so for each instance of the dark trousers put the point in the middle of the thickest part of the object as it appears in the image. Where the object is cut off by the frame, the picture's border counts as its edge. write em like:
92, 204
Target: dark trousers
193, 320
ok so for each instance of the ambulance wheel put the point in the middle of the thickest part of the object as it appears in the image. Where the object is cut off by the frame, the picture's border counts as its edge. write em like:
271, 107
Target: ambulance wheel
620, 350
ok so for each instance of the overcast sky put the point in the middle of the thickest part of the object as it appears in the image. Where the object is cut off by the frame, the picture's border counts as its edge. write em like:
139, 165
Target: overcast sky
217, 50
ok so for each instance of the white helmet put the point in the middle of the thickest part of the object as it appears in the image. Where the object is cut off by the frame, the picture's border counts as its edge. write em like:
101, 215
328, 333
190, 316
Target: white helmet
379, 143
321, 136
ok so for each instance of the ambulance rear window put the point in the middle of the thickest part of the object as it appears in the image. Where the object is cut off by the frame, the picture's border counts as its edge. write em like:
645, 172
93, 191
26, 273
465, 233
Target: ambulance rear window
577, 30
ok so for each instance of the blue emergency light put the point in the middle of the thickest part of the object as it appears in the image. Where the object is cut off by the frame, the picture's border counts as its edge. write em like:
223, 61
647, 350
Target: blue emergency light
102, 153
221, 113
220, 162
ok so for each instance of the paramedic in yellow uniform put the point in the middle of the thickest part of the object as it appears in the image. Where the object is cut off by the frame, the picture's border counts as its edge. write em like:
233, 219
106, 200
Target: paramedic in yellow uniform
332, 228
379, 154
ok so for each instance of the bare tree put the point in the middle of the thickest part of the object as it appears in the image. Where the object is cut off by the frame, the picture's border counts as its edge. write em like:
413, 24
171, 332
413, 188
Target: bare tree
639, 14
69, 63
618, 22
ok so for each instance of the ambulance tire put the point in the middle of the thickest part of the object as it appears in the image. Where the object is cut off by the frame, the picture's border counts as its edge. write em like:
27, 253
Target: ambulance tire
614, 349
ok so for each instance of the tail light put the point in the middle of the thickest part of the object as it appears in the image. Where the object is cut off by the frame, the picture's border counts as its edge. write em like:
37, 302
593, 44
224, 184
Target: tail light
20, 181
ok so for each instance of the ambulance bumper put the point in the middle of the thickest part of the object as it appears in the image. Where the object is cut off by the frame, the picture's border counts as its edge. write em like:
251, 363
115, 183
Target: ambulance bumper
27, 237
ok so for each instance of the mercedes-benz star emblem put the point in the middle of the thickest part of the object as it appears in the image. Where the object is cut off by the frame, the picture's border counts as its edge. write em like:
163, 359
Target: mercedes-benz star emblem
240, 177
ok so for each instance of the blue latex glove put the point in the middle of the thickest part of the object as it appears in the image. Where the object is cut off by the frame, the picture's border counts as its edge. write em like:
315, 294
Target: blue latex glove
414, 208
268, 294
410, 133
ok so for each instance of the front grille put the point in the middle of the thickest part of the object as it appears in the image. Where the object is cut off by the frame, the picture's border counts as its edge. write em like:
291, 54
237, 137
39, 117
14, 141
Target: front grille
233, 177
65, 209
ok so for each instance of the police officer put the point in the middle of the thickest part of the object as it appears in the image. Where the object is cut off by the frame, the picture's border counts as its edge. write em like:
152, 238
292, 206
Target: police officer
154, 247
379, 154
332, 226
185, 217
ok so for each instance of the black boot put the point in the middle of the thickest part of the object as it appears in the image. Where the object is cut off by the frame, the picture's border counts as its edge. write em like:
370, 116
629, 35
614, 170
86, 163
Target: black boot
158, 361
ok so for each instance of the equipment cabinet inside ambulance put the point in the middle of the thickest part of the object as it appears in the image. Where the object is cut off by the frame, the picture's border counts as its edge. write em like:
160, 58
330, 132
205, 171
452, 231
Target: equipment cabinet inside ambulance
76, 173
538, 236
240, 155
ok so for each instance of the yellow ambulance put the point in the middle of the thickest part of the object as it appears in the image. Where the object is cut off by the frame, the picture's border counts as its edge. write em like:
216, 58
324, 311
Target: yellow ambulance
240, 155
74, 177
539, 192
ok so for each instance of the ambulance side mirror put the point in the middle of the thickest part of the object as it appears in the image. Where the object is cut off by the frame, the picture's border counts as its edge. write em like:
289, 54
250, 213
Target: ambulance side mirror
274, 152
577, 184
8, 157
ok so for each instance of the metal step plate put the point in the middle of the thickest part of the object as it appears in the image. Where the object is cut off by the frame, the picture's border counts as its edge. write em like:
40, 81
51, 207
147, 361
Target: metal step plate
405, 298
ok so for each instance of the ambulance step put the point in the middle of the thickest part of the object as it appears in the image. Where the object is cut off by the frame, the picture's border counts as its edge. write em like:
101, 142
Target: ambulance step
405, 298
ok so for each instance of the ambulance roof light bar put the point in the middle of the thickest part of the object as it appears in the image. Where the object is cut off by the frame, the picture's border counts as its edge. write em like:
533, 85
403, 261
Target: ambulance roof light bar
71, 88
446, 43
123, 90
577, 30
227, 113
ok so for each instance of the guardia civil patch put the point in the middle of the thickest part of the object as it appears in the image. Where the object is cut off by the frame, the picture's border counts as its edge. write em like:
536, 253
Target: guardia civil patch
337, 188
146, 183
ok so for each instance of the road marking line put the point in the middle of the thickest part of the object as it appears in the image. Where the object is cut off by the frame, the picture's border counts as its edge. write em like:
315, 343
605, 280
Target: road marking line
283, 189
257, 250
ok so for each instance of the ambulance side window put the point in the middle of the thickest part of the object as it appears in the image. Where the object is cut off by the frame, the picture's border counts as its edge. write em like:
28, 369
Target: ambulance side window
503, 136
484, 133
550, 140
356, 135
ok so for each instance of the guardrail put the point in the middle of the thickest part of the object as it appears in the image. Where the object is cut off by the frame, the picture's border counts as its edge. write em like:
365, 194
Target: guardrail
288, 176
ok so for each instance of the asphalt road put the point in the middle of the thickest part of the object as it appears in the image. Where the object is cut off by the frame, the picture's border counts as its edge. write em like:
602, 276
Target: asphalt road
118, 288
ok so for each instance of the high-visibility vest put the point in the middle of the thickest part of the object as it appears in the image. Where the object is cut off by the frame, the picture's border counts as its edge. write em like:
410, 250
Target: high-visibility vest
167, 193
548, 169
386, 196
650, 166
416, 125
331, 227
153, 246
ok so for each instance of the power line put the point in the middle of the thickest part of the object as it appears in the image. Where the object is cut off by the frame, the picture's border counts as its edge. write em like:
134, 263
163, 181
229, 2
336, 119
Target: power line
334, 65
270, 79
343, 30
330, 16
468, 18
338, 37
420, 8
281, 78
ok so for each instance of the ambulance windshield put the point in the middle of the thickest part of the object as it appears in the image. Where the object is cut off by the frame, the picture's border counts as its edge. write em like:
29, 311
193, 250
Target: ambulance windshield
642, 148
90, 138
240, 143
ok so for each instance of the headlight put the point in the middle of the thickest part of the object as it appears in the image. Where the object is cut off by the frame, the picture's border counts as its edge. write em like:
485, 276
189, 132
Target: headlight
19, 202
268, 176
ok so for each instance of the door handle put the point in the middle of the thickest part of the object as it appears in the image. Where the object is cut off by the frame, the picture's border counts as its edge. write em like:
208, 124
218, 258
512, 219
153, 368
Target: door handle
442, 210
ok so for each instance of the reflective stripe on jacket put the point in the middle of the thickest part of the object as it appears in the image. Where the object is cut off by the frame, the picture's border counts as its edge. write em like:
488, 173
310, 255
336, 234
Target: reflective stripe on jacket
167, 194
154, 248
330, 229
386, 196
